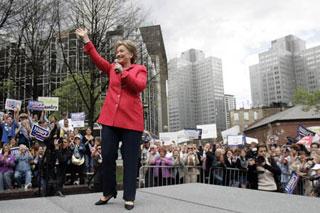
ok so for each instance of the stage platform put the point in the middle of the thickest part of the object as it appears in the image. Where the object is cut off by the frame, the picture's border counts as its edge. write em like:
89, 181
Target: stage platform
179, 198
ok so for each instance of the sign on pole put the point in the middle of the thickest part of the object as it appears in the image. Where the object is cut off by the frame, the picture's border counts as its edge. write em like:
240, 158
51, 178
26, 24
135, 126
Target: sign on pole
50, 103
78, 119
235, 130
235, 140
11, 104
208, 131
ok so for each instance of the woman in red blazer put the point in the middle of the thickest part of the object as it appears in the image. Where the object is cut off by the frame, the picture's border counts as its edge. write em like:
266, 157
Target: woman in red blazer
121, 116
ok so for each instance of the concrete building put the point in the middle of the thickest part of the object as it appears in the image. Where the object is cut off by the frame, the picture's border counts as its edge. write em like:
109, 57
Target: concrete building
273, 80
246, 117
152, 37
196, 93
230, 104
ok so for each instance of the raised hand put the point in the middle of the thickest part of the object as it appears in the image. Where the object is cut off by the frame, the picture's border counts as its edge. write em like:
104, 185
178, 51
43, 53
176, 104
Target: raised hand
83, 34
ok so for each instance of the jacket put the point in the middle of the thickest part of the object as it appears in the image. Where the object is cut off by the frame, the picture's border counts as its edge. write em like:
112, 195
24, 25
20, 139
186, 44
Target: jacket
122, 107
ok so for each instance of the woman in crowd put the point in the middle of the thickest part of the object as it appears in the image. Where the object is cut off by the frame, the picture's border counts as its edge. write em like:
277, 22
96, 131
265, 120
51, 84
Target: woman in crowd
7, 163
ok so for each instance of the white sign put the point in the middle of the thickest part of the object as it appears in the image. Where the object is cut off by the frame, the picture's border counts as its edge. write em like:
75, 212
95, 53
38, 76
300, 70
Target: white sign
168, 137
249, 140
208, 131
78, 119
1, 116
11, 104
235, 140
50, 103
232, 131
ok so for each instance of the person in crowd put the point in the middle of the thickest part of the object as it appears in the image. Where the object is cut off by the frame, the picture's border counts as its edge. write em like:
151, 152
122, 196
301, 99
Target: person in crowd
121, 116
22, 173
162, 173
191, 161
207, 159
77, 160
178, 167
66, 128
14, 148
283, 164
252, 152
264, 171
97, 162
9, 127
88, 141
62, 122
38, 163
64, 158
7, 163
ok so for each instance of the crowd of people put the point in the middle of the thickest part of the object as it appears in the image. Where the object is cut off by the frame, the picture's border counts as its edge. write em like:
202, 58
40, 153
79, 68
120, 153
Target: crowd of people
27, 162
266, 167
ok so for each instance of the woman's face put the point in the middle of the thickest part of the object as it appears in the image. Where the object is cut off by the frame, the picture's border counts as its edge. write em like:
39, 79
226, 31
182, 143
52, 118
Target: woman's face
123, 55
88, 131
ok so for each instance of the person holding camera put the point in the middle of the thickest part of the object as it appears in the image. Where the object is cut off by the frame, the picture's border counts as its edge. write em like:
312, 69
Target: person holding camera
263, 171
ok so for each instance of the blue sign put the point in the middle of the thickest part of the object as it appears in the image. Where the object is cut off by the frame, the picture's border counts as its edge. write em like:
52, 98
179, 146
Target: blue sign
292, 183
35, 105
39, 133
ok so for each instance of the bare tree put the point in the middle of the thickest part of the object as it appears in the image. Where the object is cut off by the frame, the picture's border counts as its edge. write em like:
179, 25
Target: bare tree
99, 17
8, 10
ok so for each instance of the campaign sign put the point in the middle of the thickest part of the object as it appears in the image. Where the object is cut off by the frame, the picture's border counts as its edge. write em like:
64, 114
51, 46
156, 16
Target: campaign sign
78, 119
35, 106
292, 183
39, 133
50, 103
11, 104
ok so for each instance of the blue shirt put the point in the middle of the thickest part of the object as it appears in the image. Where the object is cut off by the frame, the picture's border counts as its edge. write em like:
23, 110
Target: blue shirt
8, 131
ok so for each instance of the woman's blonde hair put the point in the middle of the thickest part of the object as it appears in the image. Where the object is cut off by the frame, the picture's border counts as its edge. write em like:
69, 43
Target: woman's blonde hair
130, 46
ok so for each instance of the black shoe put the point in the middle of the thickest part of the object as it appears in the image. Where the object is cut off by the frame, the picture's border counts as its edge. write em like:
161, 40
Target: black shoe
103, 202
59, 193
128, 205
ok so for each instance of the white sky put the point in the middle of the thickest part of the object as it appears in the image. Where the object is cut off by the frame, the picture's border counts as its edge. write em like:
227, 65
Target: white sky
233, 30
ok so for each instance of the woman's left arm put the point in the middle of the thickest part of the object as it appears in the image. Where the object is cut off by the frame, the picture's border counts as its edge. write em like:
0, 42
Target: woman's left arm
137, 80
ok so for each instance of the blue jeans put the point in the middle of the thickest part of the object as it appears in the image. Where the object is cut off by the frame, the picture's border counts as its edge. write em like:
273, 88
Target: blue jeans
5, 180
22, 175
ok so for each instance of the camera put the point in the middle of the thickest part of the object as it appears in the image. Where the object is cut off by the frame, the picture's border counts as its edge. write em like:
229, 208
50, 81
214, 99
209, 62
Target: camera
260, 160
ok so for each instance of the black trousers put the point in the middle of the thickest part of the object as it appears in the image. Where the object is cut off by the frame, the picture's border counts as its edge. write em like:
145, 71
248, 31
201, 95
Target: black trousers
130, 152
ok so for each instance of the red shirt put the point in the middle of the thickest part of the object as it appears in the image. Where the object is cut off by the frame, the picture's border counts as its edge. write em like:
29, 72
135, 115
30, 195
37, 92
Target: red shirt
123, 106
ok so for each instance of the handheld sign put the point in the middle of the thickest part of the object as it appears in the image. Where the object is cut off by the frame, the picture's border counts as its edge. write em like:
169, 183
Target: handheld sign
39, 133
11, 104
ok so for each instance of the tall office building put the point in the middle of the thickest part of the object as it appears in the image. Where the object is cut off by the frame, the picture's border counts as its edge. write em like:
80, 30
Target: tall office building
230, 104
195, 91
273, 79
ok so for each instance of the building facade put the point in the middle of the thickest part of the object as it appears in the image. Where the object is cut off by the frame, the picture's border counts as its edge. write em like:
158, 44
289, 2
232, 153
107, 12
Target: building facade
195, 91
152, 37
280, 70
230, 104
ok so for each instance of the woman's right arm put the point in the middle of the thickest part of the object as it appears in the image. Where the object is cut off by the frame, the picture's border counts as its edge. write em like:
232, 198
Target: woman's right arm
89, 49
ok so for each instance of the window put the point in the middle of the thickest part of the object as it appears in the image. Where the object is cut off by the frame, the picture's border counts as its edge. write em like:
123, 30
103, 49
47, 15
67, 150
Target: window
246, 116
236, 116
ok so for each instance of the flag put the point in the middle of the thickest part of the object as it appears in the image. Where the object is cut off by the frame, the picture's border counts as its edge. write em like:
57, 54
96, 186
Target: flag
306, 141
302, 132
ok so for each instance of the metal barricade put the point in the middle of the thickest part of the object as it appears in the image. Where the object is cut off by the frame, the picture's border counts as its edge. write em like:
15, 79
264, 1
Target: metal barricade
227, 177
151, 176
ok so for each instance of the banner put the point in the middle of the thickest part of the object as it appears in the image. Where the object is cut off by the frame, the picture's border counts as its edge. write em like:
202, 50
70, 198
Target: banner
78, 119
302, 132
235, 140
208, 131
35, 106
39, 133
235, 130
50, 103
292, 183
11, 104
249, 140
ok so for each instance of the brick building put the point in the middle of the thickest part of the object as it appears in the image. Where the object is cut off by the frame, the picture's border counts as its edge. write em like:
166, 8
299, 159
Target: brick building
278, 127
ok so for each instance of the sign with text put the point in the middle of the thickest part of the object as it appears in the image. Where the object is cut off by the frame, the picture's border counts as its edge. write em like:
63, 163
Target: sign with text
235, 130
39, 133
11, 104
35, 106
168, 137
292, 183
208, 131
78, 119
235, 140
50, 103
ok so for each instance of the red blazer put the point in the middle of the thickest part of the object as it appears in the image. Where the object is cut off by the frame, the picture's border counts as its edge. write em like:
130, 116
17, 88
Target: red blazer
122, 107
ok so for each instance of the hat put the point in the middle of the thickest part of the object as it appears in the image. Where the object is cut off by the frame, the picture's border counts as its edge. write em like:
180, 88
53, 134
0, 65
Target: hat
316, 166
77, 136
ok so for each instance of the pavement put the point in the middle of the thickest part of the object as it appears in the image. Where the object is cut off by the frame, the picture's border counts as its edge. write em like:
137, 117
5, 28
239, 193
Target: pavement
179, 198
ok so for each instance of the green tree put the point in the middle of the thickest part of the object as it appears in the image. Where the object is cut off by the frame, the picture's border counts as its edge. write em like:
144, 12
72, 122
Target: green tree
70, 100
306, 98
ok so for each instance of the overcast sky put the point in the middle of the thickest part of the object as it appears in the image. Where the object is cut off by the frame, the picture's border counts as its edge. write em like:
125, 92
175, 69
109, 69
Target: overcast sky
233, 30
